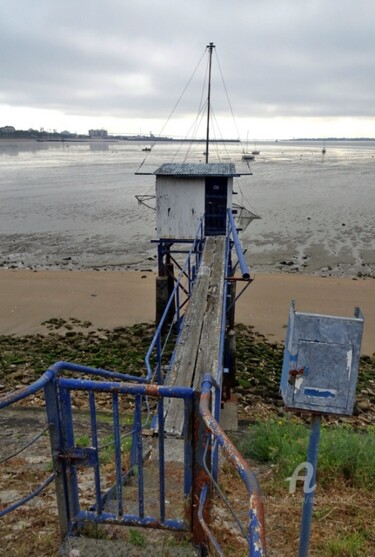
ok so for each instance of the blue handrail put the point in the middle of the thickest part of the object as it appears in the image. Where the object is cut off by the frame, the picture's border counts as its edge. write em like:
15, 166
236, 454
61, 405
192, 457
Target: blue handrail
54, 370
156, 341
237, 244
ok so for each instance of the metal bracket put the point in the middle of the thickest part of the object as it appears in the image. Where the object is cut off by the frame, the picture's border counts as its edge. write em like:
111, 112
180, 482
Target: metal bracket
79, 456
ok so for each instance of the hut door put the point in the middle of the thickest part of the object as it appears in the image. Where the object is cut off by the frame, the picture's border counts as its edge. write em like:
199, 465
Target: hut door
216, 206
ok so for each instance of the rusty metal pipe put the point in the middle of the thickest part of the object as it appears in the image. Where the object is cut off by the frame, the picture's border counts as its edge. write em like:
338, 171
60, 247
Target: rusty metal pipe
257, 536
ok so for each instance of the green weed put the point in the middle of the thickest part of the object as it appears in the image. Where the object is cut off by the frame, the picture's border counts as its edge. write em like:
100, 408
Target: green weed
136, 538
83, 441
345, 546
107, 448
344, 454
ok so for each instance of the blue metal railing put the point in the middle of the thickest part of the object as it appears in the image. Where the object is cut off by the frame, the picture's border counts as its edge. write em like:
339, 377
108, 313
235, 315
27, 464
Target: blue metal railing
255, 538
162, 336
101, 513
68, 458
54, 371
47, 378
163, 333
232, 232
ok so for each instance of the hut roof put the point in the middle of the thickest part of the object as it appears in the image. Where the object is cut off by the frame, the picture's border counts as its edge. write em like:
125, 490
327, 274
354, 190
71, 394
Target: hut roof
197, 169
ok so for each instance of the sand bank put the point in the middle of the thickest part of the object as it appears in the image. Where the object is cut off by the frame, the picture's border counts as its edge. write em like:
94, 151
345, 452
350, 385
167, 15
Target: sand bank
109, 299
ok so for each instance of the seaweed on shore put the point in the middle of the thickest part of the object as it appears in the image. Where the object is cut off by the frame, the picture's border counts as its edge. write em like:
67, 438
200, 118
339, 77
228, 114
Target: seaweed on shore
123, 349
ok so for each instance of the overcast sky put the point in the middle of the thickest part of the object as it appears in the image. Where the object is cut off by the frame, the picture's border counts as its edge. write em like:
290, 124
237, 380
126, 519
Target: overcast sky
292, 68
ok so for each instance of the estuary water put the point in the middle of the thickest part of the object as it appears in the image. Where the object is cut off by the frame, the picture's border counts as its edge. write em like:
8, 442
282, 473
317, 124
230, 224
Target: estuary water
73, 206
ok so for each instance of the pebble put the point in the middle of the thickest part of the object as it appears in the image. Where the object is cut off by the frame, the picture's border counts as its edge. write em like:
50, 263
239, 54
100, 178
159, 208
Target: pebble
364, 405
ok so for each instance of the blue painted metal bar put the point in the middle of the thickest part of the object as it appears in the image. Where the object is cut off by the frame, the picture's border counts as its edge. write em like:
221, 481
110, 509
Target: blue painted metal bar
219, 381
202, 465
133, 450
161, 459
28, 498
117, 446
67, 445
59, 466
308, 497
257, 539
127, 388
94, 441
138, 428
57, 368
132, 520
16, 396
158, 361
188, 447
68, 366
241, 259
197, 244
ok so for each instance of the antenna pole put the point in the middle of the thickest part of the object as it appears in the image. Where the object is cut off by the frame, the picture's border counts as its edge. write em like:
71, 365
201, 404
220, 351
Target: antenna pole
210, 47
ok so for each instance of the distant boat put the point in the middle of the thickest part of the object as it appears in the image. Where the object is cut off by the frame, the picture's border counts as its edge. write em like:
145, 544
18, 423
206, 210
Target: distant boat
248, 157
146, 148
255, 151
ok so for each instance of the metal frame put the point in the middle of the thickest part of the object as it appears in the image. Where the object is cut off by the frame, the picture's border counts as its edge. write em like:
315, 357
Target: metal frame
67, 457
168, 323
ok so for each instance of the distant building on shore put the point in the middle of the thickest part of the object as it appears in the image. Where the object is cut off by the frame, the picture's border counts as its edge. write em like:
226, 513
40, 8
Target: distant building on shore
7, 130
102, 134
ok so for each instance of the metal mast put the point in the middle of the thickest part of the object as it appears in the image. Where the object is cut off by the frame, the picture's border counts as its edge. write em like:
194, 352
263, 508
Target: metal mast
210, 47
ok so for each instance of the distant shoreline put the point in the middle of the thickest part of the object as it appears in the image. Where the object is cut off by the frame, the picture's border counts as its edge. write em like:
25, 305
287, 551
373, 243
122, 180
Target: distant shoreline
153, 139
114, 138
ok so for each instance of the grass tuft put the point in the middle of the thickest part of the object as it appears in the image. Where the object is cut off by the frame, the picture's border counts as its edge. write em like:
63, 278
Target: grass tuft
344, 455
347, 546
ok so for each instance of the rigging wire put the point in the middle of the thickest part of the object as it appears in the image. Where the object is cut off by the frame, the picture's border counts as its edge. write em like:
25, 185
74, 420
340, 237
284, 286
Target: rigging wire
228, 99
221, 138
196, 125
175, 106
193, 130
242, 197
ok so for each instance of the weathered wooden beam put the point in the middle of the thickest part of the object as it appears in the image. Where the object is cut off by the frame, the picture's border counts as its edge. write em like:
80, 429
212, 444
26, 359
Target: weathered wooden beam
208, 350
198, 348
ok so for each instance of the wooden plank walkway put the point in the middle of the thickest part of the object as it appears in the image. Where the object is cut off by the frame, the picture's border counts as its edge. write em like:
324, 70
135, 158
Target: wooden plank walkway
197, 351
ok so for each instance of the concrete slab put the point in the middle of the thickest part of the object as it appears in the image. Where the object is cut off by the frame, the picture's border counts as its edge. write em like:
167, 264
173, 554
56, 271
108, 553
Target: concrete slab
229, 414
91, 547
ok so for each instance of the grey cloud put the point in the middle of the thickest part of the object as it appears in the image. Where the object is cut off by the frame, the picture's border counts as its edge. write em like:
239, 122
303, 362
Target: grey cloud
288, 57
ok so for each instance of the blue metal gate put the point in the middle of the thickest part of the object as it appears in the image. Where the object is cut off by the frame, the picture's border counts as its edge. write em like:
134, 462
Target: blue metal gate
78, 456
105, 499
